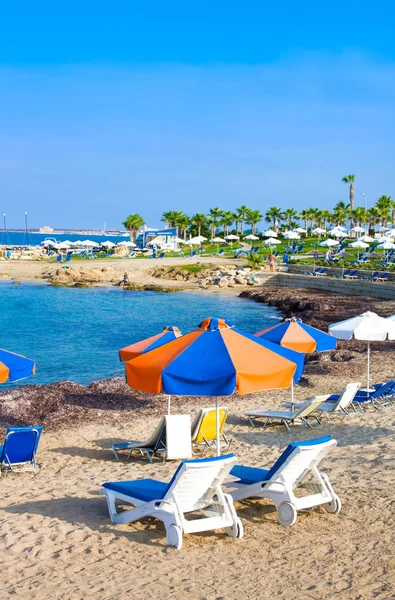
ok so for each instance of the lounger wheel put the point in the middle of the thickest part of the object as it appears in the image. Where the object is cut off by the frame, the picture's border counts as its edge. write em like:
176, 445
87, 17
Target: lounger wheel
287, 514
174, 536
237, 529
333, 507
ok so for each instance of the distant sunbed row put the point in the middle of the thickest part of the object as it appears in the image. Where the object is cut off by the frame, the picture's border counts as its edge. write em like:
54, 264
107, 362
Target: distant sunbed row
350, 274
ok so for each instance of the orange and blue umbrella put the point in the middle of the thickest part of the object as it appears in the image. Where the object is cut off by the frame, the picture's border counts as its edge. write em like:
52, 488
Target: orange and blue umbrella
14, 367
297, 336
168, 334
214, 360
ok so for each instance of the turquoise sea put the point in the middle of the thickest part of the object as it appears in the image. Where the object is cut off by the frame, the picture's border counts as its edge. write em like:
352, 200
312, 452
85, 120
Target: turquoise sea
75, 334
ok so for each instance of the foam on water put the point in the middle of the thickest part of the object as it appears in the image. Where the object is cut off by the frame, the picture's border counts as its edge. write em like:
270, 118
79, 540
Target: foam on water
75, 334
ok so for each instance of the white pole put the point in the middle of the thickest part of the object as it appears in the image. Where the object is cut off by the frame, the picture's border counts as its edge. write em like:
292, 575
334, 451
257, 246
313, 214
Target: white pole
168, 404
368, 366
292, 394
217, 426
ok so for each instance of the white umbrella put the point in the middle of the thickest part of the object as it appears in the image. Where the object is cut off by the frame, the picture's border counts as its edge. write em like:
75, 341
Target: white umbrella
196, 241
366, 238
291, 235
318, 230
359, 244
232, 237
391, 233
270, 241
218, 240
108, 244
88, 243
337, 233
368, 327
270, 233
300, 230
386, 246
382, 229
328, 243
358, 229
178, 240
251, 237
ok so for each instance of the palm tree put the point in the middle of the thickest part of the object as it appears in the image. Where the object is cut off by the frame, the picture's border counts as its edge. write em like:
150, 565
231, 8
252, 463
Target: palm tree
360, 216
393, 212
227, 220
253, 217
215, 218
133, 224
236, 220
242, 213
182, 223
341, 213
170, 217
304, 215
373, 216
384, 205
273, 215
290, 215
326, 217
198, 221
349, 179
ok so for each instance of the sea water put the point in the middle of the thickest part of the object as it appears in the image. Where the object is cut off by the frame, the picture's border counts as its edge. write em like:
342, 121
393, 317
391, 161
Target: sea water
75, 334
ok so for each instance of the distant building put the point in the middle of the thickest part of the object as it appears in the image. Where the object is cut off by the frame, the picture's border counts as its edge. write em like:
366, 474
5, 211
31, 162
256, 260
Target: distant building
46, 229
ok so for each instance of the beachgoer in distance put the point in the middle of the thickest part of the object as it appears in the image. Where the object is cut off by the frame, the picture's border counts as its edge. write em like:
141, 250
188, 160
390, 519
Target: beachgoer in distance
272, 260
125, 280
328, 255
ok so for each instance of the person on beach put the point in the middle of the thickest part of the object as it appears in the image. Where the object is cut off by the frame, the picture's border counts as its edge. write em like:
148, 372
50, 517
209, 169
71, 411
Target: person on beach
328, 255
125, 280
272, 260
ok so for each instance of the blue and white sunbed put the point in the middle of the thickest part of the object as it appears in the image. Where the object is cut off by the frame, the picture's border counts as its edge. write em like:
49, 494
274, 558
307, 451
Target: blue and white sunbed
19, 450
295, 469
195, 486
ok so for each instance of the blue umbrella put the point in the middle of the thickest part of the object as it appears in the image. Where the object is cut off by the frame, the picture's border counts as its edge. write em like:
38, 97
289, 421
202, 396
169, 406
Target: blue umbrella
14, 367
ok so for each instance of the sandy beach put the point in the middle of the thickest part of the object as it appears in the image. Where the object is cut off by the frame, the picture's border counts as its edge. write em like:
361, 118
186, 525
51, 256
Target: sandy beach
58, 541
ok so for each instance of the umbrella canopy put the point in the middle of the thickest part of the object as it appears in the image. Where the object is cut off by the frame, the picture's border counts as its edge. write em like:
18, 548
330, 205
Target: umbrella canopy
168, 334
386, 246
214, 360
295, 335
291, 235
218, 240
328, 243
358, 229
271, 241
232, 237
270, 233
359, 244
337, 233
108, 244
318, 230
367, 239
178, 240
14, 367
382, 229
368, 327
88, 243
251, 237
300, 230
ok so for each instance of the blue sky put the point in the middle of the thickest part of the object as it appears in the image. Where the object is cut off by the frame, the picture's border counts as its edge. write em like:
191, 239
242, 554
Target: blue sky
108, 109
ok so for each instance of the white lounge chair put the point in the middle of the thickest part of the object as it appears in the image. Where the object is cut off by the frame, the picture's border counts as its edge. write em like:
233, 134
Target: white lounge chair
171, 440
298, 463
154, 444
333, 408
289, 417
195, 486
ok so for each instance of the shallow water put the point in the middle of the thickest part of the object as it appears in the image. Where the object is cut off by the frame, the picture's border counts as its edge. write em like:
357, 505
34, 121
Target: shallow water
75, 334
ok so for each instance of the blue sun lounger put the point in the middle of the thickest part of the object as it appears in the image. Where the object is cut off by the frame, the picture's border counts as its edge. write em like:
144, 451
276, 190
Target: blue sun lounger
195, 486
295, 469
19, 450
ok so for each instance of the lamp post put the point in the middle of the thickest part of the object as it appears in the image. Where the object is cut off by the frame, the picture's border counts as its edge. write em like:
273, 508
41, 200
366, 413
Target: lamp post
5, 230
366, 200
26, 230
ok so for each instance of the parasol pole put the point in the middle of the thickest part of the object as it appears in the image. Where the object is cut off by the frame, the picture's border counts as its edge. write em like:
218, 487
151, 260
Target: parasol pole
217, 426
168, 404
292, 394
368, 367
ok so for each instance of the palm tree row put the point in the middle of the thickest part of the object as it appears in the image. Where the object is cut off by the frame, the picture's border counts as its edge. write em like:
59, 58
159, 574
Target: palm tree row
201, 223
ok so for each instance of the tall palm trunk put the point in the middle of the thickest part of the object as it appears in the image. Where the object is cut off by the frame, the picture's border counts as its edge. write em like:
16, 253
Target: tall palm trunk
352, 196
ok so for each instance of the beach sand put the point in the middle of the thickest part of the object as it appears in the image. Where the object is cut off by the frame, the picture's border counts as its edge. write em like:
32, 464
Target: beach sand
57, 540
